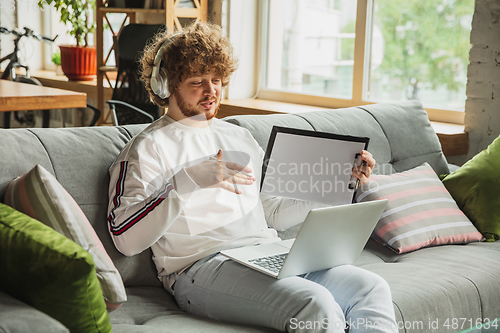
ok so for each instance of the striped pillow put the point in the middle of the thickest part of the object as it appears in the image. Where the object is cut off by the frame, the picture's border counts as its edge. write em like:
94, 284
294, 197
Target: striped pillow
420, 211
39, 195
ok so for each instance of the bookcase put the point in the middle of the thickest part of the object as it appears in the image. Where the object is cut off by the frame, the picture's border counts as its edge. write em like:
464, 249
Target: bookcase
172, 13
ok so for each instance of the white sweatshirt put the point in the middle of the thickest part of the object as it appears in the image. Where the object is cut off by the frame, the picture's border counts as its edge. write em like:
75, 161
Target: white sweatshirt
154, 203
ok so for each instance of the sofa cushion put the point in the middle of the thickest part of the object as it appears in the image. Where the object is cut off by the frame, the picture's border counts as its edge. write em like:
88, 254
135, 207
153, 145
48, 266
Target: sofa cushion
50, 272
38, 194
153, 309
79, 158
420, 211
412, 139
260, 127
355, 121
16, 316
21, 150
475, 186
442, 282
396, 148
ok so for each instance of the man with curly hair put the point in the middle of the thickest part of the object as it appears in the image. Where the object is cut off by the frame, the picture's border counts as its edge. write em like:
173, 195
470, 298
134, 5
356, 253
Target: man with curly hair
186, 186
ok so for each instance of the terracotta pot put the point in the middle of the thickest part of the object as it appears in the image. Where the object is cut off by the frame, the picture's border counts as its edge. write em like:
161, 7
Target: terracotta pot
79, 63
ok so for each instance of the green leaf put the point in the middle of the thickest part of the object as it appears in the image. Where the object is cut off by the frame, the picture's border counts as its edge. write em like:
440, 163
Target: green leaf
77, 13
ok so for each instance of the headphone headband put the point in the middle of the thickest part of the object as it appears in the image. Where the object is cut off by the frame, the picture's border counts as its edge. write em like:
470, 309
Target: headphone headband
159, 84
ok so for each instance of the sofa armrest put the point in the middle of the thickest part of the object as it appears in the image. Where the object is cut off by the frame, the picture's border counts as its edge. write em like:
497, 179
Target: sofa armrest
19, 317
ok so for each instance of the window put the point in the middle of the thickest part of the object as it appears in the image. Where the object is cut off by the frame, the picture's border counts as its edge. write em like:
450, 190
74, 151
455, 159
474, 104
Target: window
340, 53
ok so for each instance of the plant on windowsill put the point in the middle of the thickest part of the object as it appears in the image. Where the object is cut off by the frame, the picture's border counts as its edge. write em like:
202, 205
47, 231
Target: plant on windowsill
78, 61
56, 60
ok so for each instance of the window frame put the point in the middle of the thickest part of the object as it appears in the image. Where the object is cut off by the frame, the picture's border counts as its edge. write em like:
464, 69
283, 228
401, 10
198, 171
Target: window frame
360, 70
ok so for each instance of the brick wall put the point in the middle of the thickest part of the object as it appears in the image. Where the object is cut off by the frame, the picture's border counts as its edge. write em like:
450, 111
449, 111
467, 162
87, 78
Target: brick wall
482, 108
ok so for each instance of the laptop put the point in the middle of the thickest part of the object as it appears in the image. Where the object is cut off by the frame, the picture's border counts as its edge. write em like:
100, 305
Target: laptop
329, 237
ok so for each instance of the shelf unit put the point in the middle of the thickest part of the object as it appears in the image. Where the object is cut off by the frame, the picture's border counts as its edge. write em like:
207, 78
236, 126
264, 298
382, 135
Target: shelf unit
173, 15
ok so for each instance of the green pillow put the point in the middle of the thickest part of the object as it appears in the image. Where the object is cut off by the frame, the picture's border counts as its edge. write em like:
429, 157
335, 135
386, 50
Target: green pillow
50, 272
475, 187
39, 195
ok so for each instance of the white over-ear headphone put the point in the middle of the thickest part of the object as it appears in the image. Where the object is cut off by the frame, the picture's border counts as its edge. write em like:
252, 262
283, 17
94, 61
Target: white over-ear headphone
159, 83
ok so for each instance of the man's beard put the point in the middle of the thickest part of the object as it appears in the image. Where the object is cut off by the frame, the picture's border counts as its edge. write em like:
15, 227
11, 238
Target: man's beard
193, 113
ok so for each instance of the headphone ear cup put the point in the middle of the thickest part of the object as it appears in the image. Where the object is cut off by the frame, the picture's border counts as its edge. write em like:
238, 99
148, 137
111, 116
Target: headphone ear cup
158, 84
165, 89
155, 85
160, 89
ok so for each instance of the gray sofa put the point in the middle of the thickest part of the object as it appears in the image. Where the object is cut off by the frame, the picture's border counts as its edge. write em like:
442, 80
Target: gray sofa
444, 283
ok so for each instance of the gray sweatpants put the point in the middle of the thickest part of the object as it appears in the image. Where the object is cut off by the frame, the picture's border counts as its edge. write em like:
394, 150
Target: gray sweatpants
323, 301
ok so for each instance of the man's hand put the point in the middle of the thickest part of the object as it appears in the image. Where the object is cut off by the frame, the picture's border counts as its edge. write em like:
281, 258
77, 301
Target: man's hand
364, 171
214, 173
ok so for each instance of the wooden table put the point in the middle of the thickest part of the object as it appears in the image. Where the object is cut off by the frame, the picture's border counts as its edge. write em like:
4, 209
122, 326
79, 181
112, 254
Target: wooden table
15, 96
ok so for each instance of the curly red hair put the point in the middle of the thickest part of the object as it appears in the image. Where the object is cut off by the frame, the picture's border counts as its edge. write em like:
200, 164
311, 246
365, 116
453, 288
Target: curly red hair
198, 48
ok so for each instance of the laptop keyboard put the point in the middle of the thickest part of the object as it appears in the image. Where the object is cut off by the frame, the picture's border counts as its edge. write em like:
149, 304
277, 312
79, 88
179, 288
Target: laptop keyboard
272, 263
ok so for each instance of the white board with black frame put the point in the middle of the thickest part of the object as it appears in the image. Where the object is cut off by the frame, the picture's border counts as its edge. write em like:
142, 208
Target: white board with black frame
310, 165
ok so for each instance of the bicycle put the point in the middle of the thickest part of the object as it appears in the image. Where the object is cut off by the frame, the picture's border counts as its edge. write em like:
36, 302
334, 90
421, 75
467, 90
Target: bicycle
10, 73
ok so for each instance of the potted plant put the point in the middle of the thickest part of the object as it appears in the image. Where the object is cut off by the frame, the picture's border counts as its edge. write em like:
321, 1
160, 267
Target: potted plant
78, 62
56, 60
